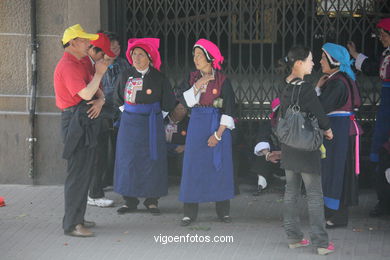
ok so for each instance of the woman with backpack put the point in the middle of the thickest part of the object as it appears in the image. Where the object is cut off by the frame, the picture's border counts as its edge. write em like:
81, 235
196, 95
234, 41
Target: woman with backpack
300, 164
339, 96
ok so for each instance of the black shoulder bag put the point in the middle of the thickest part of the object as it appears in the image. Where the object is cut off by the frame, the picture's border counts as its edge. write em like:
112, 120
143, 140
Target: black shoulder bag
297, 129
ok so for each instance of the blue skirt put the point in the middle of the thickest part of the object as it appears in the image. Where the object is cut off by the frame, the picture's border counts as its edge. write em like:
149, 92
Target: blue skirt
334, 165
207, 171
136, 173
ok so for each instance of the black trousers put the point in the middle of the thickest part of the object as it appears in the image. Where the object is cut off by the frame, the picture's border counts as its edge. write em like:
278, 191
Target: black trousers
105, 161
221, 207
80, 168
133, 202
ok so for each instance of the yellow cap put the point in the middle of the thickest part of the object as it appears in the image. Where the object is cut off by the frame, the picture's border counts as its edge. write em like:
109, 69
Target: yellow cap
76, 31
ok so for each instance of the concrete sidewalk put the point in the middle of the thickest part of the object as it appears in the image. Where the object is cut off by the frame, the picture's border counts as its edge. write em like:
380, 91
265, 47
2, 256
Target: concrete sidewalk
30, 228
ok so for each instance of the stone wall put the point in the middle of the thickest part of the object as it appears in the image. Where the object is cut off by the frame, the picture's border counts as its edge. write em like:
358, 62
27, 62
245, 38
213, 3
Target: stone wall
53, 16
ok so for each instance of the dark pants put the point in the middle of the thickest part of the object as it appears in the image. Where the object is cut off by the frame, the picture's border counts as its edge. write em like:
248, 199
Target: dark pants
175, 162
133, 202
80, 168
221, 207
103, 174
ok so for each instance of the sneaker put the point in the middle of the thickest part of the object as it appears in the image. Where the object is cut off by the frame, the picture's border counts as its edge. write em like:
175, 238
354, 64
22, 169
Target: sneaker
226, 219
303, 242
186, 221
100, 202
325, 251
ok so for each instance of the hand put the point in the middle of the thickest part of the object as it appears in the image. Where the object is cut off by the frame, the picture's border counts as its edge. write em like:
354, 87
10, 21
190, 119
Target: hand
328, 134
101, 66
352, 49
109, 59
322, 80
96, 108
180, 148
203, 81
212, 141
274, 156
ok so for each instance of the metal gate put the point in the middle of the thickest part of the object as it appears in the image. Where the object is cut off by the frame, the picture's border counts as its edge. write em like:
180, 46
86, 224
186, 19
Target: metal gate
253, 35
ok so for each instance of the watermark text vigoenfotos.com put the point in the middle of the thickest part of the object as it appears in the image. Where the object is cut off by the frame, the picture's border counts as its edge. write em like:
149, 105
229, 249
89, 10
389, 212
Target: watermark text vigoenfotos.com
166, 239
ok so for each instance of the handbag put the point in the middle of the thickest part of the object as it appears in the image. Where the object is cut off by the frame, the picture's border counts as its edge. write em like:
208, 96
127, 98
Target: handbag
298, 129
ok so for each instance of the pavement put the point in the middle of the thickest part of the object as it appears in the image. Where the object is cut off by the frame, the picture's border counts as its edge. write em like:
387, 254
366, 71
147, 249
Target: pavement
30, 228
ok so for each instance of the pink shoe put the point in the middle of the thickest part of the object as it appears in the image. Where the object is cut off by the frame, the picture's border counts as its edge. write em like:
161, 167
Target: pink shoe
325, 251
303, 242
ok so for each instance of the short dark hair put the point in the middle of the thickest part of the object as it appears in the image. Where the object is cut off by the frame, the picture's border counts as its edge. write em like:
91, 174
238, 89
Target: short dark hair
95, 49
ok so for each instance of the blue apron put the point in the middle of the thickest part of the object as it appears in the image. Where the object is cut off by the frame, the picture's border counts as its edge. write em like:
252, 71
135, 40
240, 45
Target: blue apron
334, 165
141, 156
207, 171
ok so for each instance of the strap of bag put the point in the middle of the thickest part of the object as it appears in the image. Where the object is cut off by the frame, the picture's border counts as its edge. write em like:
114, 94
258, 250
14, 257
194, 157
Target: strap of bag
296, 83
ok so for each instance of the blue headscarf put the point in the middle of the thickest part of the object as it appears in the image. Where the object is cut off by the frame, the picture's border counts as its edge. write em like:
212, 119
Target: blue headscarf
339, 56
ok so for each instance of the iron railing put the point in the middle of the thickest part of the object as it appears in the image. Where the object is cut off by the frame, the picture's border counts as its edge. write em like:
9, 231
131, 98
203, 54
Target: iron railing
253, 35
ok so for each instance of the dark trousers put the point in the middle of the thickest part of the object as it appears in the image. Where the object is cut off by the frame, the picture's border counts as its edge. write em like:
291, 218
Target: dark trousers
175, 163
103, 174
80, 168
221, 207
133, 202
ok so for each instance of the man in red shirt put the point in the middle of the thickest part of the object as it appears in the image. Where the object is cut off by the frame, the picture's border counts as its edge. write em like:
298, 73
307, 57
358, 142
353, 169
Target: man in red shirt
78, 96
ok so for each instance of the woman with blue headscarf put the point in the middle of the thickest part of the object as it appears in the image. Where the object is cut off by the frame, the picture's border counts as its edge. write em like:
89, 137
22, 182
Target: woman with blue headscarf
340, 97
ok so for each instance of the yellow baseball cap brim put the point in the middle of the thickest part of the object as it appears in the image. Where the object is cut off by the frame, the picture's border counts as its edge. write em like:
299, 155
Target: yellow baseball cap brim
76, 31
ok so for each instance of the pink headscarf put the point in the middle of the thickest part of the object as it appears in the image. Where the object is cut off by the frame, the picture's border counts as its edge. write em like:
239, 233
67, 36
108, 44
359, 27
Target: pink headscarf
212, 50
149, 45
384, 24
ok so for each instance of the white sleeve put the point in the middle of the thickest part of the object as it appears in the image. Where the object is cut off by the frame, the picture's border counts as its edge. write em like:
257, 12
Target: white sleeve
359, 61
227, 121
190, 97
318, 91
122, 108
261, 146
164, 113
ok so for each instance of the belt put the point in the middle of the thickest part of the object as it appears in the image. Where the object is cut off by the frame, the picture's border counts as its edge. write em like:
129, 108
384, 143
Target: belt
70, 109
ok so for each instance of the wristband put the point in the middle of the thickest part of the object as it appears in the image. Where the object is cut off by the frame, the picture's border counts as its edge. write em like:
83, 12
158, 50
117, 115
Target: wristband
216, 136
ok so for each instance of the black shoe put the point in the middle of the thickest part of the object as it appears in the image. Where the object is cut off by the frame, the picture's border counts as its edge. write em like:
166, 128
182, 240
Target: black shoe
125, 209
329, 225
226, 219
155, 211
186, 221
258, 191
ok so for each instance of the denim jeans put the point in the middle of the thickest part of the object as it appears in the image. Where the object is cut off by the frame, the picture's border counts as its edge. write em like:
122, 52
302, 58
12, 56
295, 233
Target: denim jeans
318, 234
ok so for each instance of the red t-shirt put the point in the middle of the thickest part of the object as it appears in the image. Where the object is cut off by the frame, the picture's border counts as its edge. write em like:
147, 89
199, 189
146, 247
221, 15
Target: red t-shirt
70, 77
90, 66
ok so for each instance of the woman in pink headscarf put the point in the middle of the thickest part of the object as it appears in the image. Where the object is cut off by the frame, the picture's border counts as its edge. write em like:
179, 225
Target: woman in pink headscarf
207, 167
141, 153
